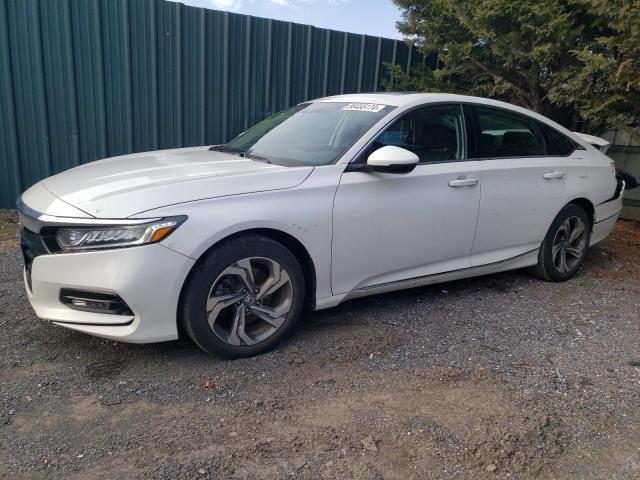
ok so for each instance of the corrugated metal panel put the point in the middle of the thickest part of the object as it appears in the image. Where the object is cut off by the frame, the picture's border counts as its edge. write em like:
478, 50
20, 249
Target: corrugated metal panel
144, 74
169, 67
10, 174
57, 60
117, 76
86, 30
30, 105
82, 80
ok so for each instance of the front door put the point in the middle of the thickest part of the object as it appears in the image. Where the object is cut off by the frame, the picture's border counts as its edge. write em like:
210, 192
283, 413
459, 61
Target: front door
391, 227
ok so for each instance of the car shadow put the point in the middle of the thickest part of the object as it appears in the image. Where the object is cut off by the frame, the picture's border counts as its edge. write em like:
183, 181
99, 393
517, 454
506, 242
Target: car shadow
104, 357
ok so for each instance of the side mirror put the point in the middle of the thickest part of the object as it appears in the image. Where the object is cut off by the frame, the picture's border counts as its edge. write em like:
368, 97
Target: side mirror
392, 159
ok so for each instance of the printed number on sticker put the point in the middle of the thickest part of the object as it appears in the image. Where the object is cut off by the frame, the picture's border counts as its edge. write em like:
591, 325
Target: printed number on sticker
364, 107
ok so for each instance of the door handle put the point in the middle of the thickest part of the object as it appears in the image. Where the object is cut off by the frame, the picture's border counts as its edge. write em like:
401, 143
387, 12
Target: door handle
553, 175
463, 182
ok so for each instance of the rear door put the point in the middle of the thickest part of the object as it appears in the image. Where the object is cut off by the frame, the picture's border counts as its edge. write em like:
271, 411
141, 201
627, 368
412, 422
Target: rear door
523, 179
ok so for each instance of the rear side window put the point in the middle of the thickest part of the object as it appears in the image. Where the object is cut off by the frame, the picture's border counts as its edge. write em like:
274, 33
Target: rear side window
433, 133
502, 134
557, 143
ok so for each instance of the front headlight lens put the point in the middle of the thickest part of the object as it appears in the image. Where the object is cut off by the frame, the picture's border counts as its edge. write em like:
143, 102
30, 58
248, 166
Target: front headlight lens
87, 238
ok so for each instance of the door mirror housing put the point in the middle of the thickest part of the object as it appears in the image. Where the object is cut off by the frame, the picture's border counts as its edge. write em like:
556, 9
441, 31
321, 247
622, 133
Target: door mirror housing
390, 159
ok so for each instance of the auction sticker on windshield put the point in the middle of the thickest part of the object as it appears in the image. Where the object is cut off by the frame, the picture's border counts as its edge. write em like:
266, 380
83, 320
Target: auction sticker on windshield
364, 107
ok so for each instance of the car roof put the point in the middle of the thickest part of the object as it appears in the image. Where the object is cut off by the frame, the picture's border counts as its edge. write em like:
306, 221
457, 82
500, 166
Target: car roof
411, 99
399, 99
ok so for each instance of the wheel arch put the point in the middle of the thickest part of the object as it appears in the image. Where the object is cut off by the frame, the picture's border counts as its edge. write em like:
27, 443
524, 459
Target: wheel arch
287, 240
302, 255
587, 206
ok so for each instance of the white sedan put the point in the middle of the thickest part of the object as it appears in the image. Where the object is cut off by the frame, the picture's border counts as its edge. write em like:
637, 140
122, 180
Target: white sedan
330, 200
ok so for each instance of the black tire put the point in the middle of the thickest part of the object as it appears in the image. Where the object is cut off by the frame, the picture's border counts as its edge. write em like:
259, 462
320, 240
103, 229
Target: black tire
193, 314
547, 268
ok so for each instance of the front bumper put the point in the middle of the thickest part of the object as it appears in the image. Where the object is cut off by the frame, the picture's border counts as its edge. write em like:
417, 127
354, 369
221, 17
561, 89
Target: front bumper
148, 278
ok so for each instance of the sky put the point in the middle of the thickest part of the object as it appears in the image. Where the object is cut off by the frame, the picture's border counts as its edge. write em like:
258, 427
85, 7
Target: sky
371, 17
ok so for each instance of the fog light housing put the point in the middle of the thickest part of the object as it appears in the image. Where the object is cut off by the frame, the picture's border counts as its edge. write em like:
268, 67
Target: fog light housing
94, 302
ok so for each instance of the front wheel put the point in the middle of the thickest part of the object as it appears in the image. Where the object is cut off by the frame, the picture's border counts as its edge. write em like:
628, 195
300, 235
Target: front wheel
243, 297
565, 245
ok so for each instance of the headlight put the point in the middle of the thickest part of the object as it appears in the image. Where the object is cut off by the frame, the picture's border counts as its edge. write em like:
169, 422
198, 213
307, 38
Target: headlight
116, 236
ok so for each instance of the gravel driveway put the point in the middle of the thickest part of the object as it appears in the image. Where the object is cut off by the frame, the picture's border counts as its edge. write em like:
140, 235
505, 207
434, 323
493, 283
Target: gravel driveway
493, 377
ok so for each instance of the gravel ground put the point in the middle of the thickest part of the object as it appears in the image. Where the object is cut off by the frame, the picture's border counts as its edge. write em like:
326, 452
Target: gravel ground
493, 377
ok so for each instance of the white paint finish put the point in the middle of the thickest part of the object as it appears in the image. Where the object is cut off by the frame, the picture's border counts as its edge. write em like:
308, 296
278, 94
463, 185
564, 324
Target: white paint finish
516, 202
390, 155
330, 302
604, 206
596, 141
518, 205
148, 278
602, 229
302, 212
389, 227
608, 209
606, 215
360, 229
520, 261
602, 183
123, 186
43, 201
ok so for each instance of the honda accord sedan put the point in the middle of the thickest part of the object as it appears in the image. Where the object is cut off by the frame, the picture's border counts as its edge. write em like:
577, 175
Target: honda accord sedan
327, 201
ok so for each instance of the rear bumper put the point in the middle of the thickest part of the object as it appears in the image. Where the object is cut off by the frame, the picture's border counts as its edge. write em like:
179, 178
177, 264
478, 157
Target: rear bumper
606, 214
602, 229
148, 278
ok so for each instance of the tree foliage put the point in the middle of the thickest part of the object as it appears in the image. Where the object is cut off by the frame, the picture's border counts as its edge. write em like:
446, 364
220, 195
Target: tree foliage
604, 85
567, 59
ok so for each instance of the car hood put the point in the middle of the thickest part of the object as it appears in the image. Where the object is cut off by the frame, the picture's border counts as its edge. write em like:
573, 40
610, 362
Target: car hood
122, 186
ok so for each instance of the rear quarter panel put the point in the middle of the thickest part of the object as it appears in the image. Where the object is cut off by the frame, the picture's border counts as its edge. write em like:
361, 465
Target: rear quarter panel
603, 185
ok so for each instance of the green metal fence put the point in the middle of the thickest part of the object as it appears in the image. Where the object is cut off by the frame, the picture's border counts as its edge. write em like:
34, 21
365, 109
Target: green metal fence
82, 80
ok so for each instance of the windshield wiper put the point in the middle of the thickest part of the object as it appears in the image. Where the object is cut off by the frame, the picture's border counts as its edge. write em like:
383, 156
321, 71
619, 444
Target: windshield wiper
254, 157
218, 148
223, 147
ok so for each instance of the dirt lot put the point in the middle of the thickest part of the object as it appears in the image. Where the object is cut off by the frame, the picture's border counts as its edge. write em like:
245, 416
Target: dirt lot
494, 377
9, 229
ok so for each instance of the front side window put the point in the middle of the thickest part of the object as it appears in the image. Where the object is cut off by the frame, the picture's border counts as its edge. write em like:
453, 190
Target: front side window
433, 133
308, 134
502, 134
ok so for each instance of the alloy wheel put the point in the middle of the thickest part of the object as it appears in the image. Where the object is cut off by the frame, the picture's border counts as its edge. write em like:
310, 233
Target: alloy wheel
249, 301
569, 244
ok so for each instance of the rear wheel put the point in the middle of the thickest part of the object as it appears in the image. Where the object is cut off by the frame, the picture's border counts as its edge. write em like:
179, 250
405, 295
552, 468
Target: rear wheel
243, 297
565, 245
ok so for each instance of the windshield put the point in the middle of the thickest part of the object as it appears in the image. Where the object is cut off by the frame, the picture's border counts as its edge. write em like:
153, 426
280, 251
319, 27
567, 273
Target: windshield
308, 134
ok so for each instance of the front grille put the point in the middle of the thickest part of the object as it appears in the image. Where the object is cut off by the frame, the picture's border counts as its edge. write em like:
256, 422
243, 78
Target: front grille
32, 246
